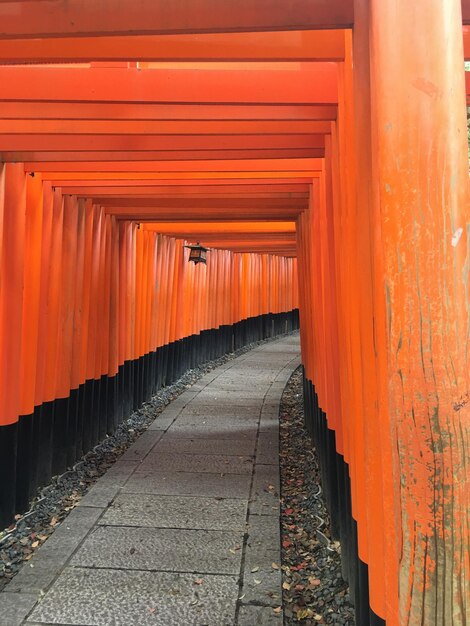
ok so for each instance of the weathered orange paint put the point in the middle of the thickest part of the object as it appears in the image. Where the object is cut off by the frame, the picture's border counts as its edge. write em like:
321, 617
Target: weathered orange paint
12, 231
262, 46
160, 17
315, 83
422, 203
31, 292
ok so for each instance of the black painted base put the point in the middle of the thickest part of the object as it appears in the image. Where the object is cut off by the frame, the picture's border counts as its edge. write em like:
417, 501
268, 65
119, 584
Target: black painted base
58, 433
336, 487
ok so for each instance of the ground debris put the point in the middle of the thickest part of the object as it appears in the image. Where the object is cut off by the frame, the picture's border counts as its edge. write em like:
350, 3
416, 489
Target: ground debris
313, 589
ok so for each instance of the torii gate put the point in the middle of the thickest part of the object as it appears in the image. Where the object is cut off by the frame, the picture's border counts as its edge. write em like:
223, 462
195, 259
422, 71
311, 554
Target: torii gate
359, 139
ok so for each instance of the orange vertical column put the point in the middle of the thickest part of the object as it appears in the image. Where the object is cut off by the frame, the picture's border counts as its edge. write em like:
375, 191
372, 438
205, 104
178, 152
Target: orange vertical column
12, 234
29, 340
76, 394
380, 510
61, 433
113, 409
45, 271
422, 210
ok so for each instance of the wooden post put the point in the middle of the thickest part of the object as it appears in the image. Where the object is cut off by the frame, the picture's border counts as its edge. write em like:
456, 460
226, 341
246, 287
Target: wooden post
419, 172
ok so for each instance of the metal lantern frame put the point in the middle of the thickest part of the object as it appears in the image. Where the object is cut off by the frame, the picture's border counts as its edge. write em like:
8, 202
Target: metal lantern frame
197, 253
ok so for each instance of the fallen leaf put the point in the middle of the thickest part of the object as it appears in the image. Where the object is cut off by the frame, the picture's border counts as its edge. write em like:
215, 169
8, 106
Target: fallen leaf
151, 610
274, 565
278, 609
286, 586
254, 569
198, 581
35, 544
256, 581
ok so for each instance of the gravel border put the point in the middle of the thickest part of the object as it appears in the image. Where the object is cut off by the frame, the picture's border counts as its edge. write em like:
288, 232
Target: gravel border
53, 502
313, 589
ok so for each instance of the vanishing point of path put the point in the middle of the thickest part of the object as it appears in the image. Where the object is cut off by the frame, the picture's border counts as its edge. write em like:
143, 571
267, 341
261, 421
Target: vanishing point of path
184, 529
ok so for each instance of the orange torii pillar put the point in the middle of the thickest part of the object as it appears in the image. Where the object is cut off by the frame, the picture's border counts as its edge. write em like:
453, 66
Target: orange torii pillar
417, 170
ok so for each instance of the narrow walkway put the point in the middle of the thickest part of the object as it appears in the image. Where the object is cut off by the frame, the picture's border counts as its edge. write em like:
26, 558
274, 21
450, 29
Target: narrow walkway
184, 529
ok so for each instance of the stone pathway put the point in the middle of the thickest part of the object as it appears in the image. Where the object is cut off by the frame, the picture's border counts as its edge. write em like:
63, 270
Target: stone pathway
184, 529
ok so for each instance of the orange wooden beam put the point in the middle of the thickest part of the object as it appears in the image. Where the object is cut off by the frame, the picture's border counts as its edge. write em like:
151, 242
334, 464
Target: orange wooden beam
304, 45
83, 156
150, 111
466, 42
317, 84
202, 203
240, 237
53, 18
240, 165
466, 11
120, 143
185, 186
181, 127
130, 192
187, 190
139, 214
195, 228
286, 250
277, 176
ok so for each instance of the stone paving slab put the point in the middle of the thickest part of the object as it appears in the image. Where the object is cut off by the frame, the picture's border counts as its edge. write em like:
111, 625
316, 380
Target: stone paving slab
262, 578
211, 463
217, 429
219, 411
176, 512
142, 446
14, 607
229, 447
265, 495
267, 452
185, 483
162, 423
215, 394
52, 556
259, 616
105, 490
232, 384
129, 598
162, 549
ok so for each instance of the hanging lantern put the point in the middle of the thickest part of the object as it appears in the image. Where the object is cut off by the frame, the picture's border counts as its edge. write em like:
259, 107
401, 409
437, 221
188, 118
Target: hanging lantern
197, 254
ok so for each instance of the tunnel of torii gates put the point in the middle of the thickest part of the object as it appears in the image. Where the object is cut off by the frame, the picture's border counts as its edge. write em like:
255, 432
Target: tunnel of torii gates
319, 149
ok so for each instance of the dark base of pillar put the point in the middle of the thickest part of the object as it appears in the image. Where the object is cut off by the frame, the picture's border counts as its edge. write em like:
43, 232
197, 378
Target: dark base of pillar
8, 461
336, 487
58, 433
